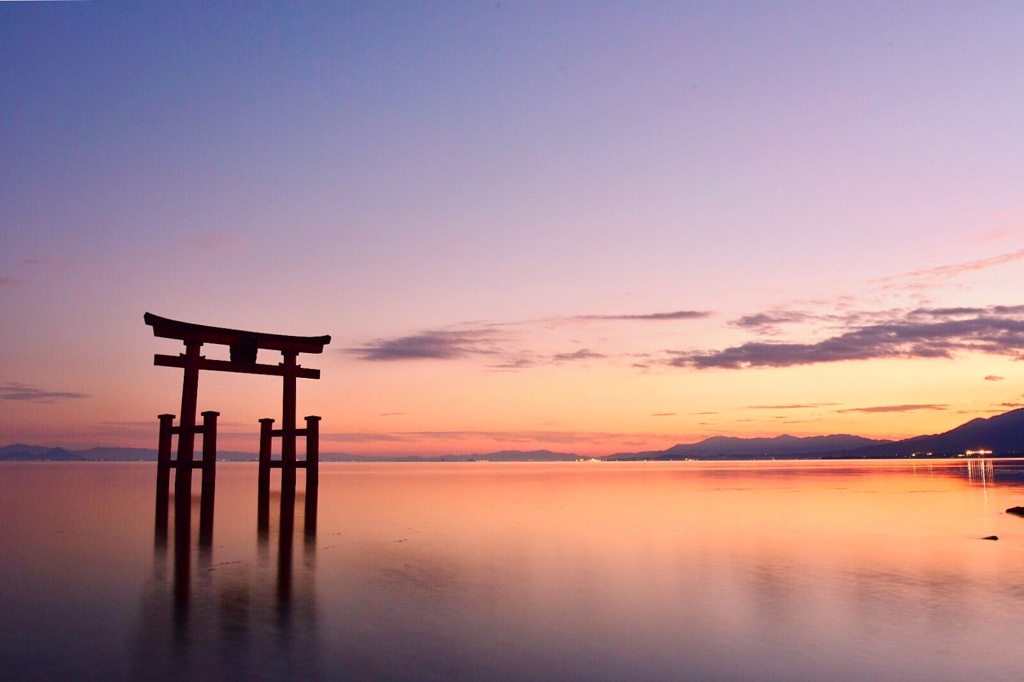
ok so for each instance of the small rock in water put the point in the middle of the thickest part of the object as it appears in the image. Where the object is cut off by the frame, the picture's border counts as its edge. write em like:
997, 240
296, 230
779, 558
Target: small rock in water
991, 537
1019, 511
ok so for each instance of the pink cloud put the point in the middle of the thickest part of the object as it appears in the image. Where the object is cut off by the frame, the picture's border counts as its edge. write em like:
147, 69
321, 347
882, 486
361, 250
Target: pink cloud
893, 408
1007, 225
954, 270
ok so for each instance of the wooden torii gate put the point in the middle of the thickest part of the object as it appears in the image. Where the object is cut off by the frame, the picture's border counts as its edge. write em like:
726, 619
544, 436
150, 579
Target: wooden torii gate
244, 350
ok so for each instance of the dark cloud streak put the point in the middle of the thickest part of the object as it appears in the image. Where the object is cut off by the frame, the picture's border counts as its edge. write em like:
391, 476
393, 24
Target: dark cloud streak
770, 319
581, 354
676, 315
894, 408
430, 345
33, 394
808, 406
998, 331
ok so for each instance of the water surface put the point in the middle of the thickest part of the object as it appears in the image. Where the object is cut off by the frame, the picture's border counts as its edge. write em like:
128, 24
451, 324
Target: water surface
576, 571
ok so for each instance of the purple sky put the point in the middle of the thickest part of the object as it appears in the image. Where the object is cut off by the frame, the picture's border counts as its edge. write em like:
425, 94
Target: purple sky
584, 226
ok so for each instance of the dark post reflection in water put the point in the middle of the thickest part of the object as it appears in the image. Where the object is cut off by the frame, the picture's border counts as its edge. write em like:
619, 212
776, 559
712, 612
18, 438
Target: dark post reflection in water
184, 508
201, 606
263, 483
284, 553
209, 485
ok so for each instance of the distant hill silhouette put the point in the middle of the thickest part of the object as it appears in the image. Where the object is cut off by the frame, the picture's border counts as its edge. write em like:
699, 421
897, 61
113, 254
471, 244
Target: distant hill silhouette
517, 456
728, 447
37, 453
1003, 434
32, 453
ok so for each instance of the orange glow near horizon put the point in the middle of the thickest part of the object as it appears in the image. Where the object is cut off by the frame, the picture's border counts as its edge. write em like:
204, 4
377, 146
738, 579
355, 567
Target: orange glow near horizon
455, 408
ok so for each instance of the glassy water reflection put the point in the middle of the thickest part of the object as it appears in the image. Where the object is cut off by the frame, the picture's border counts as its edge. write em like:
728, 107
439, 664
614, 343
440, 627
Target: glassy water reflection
589, 571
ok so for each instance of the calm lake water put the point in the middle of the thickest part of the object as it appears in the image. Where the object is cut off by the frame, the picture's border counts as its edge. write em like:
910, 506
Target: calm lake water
478, 571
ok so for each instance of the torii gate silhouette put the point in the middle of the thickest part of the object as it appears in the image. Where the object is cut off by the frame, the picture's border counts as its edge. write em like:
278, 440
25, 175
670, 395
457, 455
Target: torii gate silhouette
245, 347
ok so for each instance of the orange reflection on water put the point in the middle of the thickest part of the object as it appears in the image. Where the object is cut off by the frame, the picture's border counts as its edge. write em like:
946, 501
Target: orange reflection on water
597, 571
613, 560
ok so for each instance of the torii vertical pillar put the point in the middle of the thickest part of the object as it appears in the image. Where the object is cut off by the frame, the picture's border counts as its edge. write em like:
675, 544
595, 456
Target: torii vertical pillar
312, 472
288, 421
187, 433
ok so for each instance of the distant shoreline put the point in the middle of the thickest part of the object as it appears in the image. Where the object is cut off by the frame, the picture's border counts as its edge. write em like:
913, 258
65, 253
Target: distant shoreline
484, 459
998, 437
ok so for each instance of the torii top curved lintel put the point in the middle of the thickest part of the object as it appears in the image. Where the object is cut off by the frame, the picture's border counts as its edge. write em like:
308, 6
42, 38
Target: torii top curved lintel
187, 331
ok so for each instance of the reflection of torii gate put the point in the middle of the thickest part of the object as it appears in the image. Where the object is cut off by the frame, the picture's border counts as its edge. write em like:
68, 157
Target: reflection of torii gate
245, 346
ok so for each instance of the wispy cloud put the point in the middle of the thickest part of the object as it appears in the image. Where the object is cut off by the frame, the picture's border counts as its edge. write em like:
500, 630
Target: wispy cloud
581, 354
806, 406
993, 377
1007, 225
657, 317
772, 319
10, 281
514, 363
664, 414
368, 437
512, 438
953, 270
430, 345
997, 330
961, 311
770, 322
497, 340
895, 408
34, 394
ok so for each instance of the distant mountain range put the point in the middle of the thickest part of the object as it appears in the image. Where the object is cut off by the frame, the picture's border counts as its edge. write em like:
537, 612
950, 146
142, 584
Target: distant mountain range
1002, 434
727, 447
502, 456
37, 453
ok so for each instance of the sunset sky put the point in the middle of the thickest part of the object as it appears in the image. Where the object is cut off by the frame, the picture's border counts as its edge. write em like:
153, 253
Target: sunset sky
584, 226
